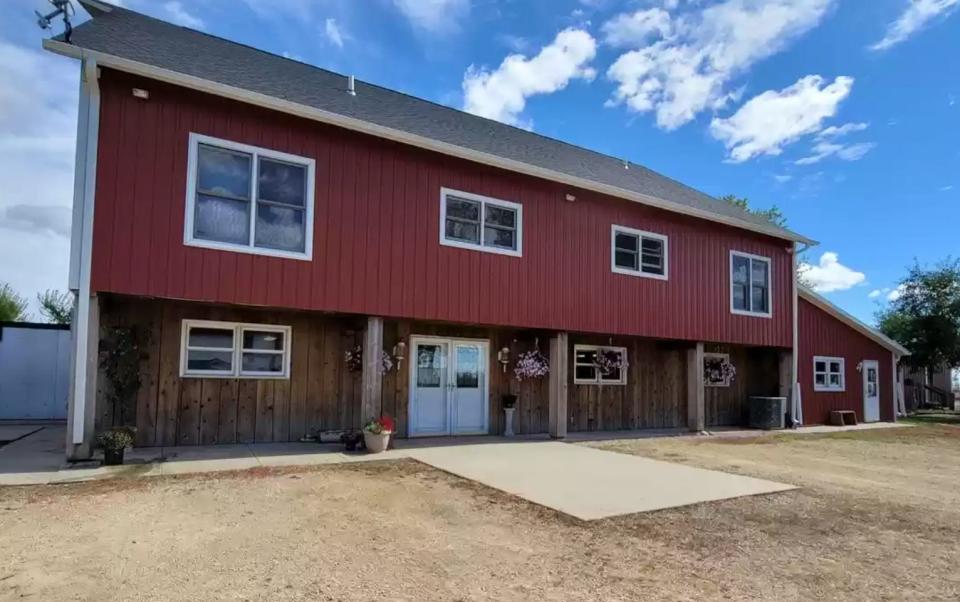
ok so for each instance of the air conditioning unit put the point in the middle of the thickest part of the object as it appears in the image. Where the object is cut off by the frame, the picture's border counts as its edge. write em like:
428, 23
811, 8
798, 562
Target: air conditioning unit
768, 412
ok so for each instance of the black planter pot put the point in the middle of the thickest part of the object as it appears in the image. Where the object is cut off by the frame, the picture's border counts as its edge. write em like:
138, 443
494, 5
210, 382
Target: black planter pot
112, 457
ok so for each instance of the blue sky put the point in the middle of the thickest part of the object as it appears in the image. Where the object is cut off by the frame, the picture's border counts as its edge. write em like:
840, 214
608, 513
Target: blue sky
842, 112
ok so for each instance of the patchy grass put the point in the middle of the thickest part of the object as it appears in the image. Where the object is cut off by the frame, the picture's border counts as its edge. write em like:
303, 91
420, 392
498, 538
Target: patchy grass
878, 517
934, 417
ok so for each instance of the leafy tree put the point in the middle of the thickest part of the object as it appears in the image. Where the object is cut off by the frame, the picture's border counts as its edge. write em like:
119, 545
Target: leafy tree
773, 215
13, 307
55, 306
925, 318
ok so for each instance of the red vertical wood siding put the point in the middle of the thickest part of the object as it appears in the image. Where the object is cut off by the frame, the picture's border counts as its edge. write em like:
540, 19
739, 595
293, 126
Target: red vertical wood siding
822, 334
376, 234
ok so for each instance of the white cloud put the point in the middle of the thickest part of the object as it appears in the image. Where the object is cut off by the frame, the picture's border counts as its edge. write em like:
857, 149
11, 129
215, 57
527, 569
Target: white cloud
53, 219
179, 15
435, 16
773, 119
687, 70
830, 275
634, 29
917, 14
332, 31
38, 121
890, 294
782, 178
849, 152
502, 94
837, 131
946, 188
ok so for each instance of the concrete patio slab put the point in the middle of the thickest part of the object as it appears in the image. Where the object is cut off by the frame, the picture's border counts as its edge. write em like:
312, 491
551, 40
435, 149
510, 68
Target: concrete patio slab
12, 432
589, 483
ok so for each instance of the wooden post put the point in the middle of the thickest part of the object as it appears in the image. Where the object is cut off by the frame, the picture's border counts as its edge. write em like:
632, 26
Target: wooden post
786, 380
372, 380
558, 385
696, 418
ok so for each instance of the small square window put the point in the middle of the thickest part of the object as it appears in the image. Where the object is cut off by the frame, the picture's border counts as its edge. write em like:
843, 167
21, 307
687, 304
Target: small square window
828, 374
598, 365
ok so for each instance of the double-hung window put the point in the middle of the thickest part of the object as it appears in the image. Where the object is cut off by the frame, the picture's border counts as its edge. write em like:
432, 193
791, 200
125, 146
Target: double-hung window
638, 253
597, 365
472, 221
233, 350
249, 199
828, 373
750, 284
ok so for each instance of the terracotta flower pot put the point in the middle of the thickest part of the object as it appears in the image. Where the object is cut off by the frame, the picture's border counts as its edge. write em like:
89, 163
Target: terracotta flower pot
376, 443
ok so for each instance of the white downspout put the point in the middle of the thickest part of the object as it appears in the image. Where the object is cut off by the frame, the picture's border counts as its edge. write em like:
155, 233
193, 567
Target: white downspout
796, 403
81, 245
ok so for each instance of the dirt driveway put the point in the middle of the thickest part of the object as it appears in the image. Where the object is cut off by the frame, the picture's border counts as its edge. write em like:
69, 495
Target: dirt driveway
879, 518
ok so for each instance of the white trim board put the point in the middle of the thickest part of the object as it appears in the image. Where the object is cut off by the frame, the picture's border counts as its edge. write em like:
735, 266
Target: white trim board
871, 333
300, 110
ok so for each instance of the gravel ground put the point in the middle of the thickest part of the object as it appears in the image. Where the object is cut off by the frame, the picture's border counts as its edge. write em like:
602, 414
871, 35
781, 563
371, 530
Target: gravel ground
878, 518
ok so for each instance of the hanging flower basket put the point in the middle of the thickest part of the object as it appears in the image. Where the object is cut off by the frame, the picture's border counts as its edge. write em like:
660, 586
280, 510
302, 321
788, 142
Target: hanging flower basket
354, 360
531, 364
609, 361
718, 371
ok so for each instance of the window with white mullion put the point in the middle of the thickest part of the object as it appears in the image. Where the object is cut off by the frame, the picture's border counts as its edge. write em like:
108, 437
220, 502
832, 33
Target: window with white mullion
638, 253
481, 223
227, 349
750, 284
828, 373
248, 199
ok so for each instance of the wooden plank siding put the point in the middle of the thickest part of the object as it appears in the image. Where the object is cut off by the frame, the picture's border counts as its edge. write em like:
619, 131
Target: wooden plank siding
322, 395
757, 375
376, 239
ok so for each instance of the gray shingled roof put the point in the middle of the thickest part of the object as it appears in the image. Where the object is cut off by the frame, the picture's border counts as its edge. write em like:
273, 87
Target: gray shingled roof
132, 36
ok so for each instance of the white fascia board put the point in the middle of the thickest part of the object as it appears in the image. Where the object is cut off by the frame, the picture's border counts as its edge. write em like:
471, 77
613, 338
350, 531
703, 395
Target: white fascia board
366, 127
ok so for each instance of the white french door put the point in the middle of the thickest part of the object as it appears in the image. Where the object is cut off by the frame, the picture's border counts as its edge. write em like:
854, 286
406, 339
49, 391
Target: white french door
871, 391
448, 387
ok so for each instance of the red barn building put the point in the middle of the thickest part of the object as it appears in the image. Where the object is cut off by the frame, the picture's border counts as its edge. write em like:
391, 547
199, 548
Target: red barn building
250, 222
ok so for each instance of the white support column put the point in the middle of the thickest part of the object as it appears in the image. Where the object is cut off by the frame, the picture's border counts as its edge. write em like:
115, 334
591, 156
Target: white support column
559, 384
85, 327
696, 411
372, 380
82, 401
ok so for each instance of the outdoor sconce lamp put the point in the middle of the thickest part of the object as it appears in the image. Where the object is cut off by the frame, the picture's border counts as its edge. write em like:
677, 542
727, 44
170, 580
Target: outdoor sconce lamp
503, 356
860, 367
399, 352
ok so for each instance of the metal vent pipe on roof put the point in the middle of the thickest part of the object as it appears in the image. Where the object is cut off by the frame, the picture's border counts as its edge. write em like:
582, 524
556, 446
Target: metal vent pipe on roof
351, 85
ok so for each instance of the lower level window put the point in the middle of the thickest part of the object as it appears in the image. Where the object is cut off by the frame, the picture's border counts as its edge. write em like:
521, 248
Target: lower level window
597, 365
828, 373
234, 350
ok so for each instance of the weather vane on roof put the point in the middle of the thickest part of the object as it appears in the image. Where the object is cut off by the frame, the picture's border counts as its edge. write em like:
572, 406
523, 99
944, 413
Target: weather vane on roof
61, 7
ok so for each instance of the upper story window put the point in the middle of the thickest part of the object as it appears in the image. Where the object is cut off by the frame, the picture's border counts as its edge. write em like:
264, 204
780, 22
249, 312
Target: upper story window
472, 221
750, 284
233, 350
828, 373
638, 253
248, 199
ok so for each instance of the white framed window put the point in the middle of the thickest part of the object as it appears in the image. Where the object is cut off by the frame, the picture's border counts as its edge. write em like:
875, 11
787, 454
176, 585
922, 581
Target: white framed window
248, 199
713, 375
234, 350
587, 372
828, 373
751, 285
638, 253
473, 221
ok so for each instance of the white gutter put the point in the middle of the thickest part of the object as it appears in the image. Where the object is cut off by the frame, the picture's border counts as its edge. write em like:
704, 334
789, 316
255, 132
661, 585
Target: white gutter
81, 243
359, 125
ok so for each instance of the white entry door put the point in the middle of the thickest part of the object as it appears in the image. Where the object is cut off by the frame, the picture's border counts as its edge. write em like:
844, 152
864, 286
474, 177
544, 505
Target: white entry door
871, 391
448, 387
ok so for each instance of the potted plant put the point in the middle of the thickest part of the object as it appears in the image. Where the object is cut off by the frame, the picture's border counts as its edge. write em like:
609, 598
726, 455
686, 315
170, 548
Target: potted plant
351, 439
509, 406
113, 443
376, 434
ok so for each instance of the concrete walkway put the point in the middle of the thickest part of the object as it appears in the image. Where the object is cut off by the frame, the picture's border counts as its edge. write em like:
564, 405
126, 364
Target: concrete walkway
583, 482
